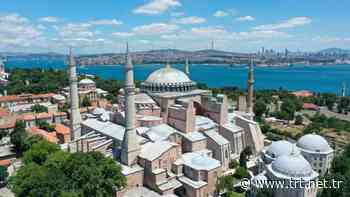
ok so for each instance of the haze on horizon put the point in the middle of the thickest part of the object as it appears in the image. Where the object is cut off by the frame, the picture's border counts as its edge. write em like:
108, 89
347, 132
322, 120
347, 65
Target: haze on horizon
240, 26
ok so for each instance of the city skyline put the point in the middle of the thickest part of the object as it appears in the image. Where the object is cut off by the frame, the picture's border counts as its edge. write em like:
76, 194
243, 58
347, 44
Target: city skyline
96, 27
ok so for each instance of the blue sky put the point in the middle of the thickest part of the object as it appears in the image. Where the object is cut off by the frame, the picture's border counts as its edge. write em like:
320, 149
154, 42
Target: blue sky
92, 26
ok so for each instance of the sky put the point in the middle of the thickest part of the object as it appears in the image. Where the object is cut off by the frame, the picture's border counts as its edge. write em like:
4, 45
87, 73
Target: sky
104, 26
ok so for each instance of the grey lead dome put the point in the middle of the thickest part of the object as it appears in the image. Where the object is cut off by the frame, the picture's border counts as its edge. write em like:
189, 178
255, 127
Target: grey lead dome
167, 75
313, 142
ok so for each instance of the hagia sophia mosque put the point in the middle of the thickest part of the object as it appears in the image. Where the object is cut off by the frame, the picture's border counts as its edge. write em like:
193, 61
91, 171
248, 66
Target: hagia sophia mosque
173, 139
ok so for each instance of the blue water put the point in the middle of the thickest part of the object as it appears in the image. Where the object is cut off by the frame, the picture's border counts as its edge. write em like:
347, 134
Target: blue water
314, 78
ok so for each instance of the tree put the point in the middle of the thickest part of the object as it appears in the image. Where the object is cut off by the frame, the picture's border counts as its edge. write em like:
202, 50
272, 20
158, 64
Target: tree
225, 183
57, 173
86, 102
299, 120
40, 152
17, 136
233, 164
289, 108
45, 126
312, 128
244, 156
37, 108
3, 174
241, 173
260, 108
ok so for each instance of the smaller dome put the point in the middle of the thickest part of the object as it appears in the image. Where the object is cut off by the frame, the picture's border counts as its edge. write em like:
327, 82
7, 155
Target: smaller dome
313, 142
279, 148
293, 165
86, 81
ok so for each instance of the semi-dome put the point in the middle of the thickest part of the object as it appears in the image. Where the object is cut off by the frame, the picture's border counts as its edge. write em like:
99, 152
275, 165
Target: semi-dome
86, 81
314, 143
168, 79
292, 165
279, 148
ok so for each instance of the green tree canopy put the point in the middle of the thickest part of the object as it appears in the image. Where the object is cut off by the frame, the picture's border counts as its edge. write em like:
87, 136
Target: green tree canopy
37, 108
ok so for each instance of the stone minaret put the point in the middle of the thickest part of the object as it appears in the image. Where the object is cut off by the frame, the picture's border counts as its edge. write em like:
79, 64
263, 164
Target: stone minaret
130, 146
250, 86
187, 67
75, 118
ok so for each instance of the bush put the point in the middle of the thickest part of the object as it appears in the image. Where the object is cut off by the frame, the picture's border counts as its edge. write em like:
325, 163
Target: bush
241, 173
299, 120
233, 164
3, 174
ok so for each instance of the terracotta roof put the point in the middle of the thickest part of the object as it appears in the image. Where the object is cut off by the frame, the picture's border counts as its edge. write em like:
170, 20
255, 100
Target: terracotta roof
49, 136
4, 112
60, 128
311, 106
303, 93
21, 97
43, 115
27, 117
5, 162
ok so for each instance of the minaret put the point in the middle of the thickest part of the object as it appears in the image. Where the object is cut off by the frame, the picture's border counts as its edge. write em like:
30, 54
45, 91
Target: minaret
130, 146
75, 118
187, 67
250, 87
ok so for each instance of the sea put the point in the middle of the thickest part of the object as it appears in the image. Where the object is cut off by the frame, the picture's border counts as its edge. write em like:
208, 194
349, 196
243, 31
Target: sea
316, 78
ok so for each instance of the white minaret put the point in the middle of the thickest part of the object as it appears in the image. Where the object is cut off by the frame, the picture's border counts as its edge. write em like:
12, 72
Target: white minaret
75, 118
250, 86
130, 146
187, 67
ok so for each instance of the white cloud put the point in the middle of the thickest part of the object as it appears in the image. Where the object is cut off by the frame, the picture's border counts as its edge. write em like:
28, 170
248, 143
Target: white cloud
190, 20
155, 28
49, 19
245, 18
210, 31
220, 13
290, 23
17, 31
122, 34
264, 34
106, 22
156, 7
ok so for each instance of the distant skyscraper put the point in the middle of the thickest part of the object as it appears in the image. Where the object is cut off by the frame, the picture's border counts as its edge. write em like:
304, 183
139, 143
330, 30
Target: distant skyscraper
250, 86
130, 146
212, 45
75, 118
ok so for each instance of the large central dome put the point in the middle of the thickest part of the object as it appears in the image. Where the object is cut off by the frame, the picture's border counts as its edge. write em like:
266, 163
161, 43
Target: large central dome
168, 80
167, 75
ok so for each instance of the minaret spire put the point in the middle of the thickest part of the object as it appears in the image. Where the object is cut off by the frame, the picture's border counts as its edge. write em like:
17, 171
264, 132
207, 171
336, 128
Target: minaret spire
130, 146
75, 118
187, 67
250, 84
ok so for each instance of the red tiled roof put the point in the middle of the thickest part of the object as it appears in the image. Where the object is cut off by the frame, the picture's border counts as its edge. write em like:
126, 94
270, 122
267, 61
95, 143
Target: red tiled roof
303, 93
311, 106
43, 115
49, 136
5, 162
60, 128
21, 97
